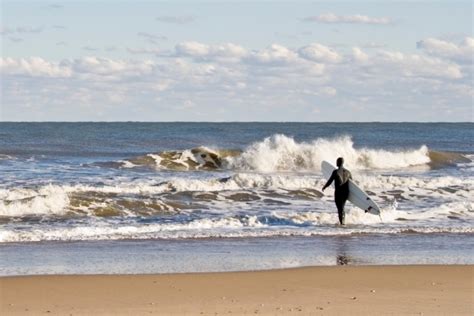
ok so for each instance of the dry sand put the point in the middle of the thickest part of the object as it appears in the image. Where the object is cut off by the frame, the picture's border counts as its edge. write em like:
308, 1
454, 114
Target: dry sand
362, 290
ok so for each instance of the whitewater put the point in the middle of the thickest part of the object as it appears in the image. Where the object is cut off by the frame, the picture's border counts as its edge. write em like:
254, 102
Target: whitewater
168, 183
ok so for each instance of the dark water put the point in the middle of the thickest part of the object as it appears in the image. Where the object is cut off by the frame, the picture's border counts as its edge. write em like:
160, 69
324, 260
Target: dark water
126, 139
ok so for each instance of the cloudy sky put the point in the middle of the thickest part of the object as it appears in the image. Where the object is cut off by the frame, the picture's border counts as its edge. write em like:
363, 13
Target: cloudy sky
236, 61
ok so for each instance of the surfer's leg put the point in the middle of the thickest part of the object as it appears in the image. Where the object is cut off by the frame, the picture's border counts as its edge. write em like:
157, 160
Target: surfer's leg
340, 210
342, 214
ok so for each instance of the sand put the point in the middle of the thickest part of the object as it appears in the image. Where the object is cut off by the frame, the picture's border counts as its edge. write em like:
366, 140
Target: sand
343, 290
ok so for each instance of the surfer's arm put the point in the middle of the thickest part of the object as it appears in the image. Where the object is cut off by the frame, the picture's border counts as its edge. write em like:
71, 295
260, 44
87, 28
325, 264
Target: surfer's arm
330, 180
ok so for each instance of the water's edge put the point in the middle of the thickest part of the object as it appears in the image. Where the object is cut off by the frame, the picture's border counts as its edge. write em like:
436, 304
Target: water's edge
235, 254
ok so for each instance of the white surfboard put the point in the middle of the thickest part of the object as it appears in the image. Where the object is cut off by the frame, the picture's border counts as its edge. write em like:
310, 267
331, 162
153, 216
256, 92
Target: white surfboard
356, 195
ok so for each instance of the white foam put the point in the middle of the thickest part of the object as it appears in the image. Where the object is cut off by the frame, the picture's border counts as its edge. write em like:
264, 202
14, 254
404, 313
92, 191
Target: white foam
127, 164
157, 159
282, 153
232, 227
54, 199
467, 166
47, 200
199, 156
451, 216
384, 182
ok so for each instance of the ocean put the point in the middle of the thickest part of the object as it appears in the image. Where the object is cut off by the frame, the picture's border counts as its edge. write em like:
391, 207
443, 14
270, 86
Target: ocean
135, 197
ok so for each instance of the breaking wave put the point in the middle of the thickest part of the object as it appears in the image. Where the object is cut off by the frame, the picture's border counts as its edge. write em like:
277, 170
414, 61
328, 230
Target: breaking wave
270, 188
280, 153
150, 197
241, 226
242, 205
200, 158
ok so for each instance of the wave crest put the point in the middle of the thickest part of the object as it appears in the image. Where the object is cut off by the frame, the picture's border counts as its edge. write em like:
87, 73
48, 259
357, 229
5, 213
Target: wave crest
280, 153
199, 158
283, 153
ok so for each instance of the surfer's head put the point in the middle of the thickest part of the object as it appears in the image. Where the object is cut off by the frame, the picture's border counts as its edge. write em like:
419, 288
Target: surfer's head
340, 161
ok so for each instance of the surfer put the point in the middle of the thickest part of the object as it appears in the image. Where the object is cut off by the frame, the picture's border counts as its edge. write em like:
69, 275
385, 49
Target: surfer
341, 177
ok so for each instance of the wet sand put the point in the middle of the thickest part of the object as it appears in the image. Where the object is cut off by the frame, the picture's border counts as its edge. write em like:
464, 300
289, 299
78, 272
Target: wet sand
341, 290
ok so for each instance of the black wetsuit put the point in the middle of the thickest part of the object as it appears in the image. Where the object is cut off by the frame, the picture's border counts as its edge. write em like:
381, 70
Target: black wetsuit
341, 178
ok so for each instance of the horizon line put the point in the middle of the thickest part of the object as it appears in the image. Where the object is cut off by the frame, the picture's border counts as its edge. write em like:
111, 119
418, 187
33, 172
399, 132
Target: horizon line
222, 122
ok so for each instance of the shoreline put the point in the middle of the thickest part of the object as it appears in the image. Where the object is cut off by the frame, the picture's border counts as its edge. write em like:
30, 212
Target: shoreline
328, 290
225, 255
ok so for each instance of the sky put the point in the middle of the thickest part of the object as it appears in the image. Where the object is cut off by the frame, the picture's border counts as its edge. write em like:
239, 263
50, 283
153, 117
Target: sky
237, 61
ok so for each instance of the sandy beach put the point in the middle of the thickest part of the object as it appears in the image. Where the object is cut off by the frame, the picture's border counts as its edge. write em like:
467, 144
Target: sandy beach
361, 290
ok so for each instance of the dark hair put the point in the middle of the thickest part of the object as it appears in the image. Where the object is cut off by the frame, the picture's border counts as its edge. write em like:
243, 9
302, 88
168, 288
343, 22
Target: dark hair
340, 161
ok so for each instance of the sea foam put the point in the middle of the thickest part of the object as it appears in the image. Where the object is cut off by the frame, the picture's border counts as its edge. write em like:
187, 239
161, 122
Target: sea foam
283, 153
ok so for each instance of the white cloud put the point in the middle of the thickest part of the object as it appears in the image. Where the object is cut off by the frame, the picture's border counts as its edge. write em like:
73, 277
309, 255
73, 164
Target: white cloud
275, 53
418, 66
33, 66
193, 49
83, 68
229, 50
255, 81
359, 56
223, 52
352, 19
463, 51
319, 53
211, 58
113, 69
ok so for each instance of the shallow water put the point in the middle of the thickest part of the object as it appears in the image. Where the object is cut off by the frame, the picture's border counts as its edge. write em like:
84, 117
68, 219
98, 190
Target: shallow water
232, 254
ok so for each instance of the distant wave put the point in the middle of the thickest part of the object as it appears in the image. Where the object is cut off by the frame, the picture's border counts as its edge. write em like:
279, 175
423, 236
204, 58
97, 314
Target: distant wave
200, 158
280, 153
6, 157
